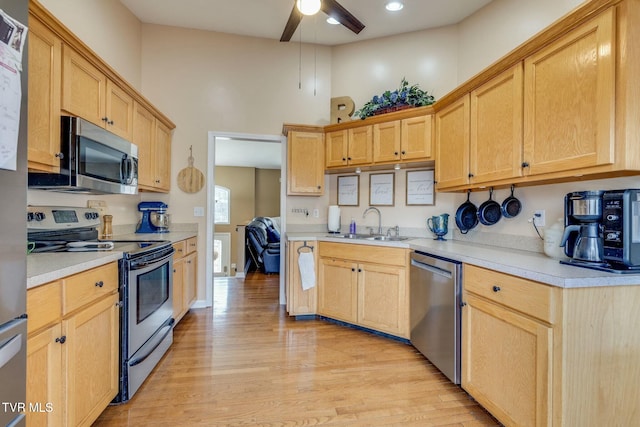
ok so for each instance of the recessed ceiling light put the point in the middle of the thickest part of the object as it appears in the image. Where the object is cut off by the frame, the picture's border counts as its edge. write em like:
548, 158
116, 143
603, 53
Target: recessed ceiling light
332, 21
394, 6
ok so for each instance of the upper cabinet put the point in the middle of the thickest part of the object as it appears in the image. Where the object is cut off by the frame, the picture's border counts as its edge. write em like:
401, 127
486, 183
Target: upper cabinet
67, 78
403, 140
548, 111
88, 93
305, 163
45, 59
569, 104
349, 147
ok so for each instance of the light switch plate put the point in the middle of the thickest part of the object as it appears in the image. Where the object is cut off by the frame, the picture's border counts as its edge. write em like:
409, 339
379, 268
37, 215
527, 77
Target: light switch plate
198, 211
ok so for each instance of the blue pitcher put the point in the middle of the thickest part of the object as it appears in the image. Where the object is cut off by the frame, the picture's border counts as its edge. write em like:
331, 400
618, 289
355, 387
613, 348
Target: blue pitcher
439, 225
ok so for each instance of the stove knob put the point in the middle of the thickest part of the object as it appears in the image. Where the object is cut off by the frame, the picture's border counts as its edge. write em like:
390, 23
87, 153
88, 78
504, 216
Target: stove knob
40, 216
612, 217
30, 216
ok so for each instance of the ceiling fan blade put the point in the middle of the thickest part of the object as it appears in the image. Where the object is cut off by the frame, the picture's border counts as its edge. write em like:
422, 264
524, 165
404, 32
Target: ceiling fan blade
292, 24
342, 15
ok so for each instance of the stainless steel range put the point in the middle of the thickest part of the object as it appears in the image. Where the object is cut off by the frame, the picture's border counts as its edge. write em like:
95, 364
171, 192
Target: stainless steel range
146, 285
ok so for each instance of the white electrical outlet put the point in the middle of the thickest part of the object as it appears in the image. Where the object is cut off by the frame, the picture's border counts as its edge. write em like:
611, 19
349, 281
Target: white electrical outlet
538, 218
198, 211
99, 205
316, 213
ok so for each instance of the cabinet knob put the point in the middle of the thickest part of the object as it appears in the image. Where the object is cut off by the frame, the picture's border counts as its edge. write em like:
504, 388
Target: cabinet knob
403, 152
60, 156
62, 339
110, 122
463, 304
525, 164
470, 175
319, 188
105, 119
349, 158
353, 269
100, 284
496, 288
359, 270
395, 153
344, 159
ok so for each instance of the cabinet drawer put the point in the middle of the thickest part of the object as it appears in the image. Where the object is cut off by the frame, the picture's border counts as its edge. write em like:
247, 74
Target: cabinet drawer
364, 253
532, 298
44, 305
88, 286
180, 248
192, 244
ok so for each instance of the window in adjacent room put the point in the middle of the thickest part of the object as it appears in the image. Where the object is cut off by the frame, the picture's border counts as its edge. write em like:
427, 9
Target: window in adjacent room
222, 208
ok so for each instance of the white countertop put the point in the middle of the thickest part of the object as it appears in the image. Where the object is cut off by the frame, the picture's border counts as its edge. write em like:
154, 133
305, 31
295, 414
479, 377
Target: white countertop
529, 265
46, 267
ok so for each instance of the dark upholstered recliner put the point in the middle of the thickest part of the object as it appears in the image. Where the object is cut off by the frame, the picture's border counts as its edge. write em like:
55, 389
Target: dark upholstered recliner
265, 255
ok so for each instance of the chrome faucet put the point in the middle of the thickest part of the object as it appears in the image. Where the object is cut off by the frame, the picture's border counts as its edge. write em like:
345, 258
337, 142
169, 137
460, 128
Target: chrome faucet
371, 208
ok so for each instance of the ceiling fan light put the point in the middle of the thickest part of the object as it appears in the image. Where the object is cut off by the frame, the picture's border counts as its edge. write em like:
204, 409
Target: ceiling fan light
308, 7
332, 21
394, 6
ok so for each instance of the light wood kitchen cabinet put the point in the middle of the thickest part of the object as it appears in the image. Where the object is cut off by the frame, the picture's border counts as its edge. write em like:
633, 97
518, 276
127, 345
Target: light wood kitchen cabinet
508, 345
403, 140
88, 93
569, 106
299, 301
349, 147
153, 139
73, 347
452, 144
185, 281
365, 285
45, 65
305, 163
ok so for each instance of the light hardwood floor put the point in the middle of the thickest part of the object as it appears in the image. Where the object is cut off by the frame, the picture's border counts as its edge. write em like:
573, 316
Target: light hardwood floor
246, 363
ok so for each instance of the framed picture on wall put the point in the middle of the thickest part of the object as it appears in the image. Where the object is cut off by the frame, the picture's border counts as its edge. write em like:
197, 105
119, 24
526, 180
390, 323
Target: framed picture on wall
349, 190
420, 188
381, 189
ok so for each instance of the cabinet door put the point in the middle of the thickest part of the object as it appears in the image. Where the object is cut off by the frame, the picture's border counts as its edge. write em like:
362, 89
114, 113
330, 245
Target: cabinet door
569, 100
83, 88
190, 279
305, 165
44, 378
162, 157
336, 148
452, 144
143, 133
299, 301
496, 128
360, 150
417, 138
178, 289
506, 362
119, 111
338, 289
91, 355
382, 298
386, 142
45, 65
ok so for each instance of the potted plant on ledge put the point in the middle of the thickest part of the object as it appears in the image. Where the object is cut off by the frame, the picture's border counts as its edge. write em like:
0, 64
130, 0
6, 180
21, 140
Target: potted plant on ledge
404, 97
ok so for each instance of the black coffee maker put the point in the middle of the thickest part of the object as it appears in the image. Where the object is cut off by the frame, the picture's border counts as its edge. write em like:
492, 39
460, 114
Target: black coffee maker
583, 238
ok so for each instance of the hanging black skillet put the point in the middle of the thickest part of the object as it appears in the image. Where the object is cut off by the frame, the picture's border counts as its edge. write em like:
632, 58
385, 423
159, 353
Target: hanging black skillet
490, 211
511, 206
466, 215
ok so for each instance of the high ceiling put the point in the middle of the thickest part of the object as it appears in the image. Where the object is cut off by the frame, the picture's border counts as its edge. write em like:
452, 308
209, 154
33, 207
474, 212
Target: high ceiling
267, 18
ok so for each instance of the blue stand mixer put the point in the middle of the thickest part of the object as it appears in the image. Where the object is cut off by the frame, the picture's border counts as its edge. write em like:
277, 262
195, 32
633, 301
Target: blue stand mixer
154, 217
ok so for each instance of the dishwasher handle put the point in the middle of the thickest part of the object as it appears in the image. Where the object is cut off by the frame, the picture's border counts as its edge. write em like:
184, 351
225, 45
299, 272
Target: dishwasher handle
432, 269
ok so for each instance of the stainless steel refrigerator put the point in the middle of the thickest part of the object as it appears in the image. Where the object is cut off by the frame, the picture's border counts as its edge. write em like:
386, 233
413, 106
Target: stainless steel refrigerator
13, 240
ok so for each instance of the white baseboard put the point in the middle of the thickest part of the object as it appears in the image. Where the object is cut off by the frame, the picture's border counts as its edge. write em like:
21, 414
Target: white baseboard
200, 304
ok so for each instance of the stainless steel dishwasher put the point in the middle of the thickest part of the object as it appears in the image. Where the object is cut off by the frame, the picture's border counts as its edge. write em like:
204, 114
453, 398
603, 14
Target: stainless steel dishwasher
435, 296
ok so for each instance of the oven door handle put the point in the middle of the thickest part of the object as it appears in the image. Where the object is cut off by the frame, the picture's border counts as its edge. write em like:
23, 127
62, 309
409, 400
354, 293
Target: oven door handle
149, 347
138, 265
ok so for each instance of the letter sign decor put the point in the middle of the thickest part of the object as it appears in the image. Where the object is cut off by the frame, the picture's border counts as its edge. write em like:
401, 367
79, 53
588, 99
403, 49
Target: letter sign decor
342, 109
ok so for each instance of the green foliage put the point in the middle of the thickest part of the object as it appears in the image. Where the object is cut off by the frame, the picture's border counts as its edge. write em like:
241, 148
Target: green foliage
404, 95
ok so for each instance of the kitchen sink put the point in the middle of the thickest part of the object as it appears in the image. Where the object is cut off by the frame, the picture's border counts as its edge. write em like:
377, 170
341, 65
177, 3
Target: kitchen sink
369, 237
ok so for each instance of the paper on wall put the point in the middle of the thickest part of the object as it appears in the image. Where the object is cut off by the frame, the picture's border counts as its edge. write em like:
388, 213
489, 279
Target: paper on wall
12, 38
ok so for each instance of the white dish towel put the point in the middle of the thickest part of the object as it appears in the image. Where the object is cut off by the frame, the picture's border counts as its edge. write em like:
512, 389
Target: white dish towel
307, 267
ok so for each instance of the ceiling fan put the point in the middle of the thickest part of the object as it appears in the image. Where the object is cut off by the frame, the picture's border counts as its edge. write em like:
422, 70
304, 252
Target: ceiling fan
332, 8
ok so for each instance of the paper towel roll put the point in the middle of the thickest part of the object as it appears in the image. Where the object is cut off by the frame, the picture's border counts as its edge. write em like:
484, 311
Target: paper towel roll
333, 222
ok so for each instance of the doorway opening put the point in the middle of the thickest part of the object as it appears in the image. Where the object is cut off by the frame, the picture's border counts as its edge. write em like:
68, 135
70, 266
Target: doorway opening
228, 150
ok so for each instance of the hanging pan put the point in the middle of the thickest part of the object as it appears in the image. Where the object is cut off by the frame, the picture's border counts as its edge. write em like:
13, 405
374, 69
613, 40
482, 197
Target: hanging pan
466, 215
490, 211
511, 206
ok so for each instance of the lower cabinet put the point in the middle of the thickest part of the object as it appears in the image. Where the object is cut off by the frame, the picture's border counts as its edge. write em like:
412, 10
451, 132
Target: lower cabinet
185, 268
365, 285
73, 348
299, 301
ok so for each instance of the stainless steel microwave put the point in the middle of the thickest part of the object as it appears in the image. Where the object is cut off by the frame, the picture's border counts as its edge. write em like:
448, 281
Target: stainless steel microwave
92, 160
